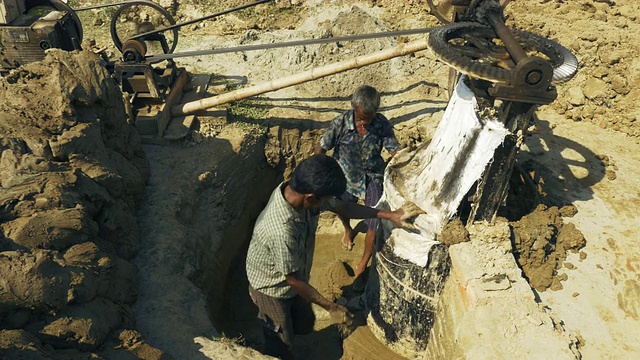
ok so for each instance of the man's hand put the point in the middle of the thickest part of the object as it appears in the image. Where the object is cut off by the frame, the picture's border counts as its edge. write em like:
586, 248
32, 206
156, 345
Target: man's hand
402, 217
340, 315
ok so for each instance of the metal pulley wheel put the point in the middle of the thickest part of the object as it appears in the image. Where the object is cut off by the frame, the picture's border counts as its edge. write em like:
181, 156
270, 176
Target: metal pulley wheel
134, 50
142, 17
43, 7
474, 49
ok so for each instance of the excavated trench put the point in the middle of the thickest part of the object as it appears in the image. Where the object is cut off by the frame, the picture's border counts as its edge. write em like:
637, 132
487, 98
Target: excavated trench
195, 215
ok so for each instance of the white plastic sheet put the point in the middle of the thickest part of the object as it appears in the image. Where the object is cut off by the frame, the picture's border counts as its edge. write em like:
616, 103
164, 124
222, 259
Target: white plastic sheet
437, 177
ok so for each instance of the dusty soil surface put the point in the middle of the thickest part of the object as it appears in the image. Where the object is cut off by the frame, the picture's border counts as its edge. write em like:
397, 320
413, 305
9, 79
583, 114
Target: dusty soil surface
76, 214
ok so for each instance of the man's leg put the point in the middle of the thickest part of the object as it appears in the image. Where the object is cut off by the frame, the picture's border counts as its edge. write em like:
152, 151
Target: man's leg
277, 324
374, 192
347, 238
303, 317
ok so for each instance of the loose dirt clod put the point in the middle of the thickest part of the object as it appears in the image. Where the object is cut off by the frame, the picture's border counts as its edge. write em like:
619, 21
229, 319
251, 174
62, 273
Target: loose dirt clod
541, 242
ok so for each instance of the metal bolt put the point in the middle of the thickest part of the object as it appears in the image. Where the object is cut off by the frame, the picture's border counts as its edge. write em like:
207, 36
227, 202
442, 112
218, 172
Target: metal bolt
534, 77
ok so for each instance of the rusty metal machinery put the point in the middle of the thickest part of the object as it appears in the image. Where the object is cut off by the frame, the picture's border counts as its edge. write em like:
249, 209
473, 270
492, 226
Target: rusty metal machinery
517, 67
521, 66
29, 27
502, 63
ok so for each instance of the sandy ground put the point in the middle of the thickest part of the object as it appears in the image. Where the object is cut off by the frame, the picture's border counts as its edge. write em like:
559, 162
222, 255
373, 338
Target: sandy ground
582, 153
582, 148
600, 298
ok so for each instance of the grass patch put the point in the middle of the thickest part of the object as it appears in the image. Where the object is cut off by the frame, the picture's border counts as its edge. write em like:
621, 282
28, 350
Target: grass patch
249, 114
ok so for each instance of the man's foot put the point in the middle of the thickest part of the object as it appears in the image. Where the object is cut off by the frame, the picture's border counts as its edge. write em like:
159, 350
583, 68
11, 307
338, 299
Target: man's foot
347, 242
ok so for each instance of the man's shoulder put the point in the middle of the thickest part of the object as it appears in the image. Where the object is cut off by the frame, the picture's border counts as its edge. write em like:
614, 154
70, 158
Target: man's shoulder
382, 119
276, 213
343, 117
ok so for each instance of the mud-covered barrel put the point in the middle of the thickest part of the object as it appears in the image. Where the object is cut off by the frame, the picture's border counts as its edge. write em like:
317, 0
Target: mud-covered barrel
402, 297
411, 267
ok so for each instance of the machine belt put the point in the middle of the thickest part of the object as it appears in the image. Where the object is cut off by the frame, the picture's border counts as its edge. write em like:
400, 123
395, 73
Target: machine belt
288, 44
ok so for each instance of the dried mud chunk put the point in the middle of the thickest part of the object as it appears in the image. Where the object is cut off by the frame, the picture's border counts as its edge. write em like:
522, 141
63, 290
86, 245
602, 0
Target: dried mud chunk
541, 241
53, 229
83, 254
127, 343
19, 344
32, 281
454, 233
568, 211
610, 174
571, 238
85, 326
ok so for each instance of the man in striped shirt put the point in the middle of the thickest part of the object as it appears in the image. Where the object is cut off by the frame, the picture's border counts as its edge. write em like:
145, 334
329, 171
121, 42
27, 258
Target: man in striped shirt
281, 251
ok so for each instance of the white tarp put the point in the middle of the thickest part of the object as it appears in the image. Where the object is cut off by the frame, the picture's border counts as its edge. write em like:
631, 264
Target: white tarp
436, 177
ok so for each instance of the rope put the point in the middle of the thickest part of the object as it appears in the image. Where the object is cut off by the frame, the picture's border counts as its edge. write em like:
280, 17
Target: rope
289, 44
430, 299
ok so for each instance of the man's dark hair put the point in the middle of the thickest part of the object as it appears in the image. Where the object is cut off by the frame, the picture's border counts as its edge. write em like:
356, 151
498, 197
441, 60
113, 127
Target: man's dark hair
367, 98
319, 175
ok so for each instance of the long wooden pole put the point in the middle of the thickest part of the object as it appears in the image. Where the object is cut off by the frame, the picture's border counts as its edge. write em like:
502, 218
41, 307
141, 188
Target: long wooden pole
313, 74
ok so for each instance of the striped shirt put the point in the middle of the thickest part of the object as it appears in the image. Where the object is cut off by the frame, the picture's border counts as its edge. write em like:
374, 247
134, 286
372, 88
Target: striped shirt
282, 243
359, 157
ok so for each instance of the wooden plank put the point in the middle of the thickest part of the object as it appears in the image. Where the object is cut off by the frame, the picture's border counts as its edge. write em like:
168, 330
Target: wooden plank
492, 190
179, 126
174, 95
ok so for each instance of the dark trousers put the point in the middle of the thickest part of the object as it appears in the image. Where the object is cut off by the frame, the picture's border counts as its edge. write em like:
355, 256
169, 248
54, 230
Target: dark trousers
281, 320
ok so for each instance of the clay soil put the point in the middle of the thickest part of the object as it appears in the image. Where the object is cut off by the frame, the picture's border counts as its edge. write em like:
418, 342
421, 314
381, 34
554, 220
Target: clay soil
115, 246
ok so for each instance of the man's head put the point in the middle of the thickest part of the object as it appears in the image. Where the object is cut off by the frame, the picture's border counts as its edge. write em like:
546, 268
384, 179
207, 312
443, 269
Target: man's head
365, 103
318, 178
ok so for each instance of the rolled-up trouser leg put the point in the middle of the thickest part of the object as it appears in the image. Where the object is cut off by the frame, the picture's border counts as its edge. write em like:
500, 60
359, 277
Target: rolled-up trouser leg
372, 196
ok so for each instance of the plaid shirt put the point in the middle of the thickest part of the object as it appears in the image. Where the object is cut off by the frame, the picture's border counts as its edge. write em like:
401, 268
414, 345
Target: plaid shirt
282, 243
360, 157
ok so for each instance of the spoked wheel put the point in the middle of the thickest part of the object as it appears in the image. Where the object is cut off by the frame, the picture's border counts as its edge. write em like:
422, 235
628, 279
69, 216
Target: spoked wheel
139, 17
43, 7
474, 49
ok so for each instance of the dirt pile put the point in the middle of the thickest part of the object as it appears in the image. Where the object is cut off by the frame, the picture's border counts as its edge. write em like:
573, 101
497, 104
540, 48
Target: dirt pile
72, 172
541, 242
602, 34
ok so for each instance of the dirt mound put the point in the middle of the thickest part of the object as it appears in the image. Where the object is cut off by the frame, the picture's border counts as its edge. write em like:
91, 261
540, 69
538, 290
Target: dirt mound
541, 243
603, 36
72, 173
336, 276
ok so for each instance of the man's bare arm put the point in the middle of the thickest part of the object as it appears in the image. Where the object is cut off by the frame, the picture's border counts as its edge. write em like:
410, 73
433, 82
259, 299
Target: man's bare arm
339, 313
308, 292
399, 217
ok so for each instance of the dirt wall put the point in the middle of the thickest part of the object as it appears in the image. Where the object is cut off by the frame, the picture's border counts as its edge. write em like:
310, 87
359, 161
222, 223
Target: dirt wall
72, 172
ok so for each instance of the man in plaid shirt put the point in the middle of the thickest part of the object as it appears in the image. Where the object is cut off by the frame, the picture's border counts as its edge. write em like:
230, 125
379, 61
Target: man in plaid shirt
281, 250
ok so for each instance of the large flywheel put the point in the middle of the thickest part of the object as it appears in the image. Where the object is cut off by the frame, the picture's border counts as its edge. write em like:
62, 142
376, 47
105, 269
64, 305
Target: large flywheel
43, 7
141, 17
474, 49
